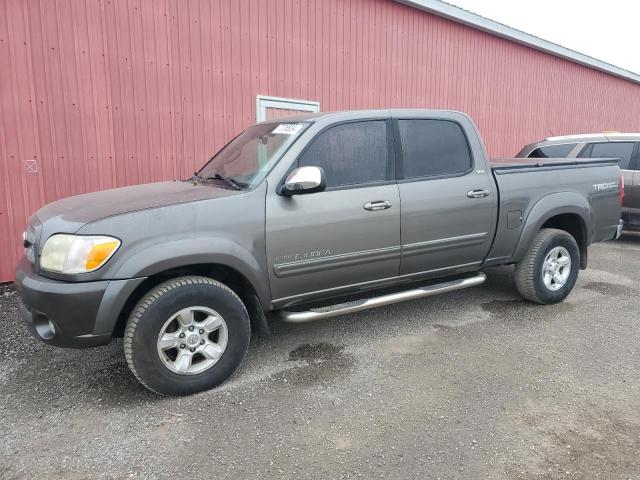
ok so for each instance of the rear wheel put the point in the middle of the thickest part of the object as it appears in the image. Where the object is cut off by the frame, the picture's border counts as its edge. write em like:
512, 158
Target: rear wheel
549, 270
186, 335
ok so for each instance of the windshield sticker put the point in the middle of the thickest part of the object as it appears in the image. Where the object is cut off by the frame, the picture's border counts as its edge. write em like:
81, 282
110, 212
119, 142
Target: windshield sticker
288, 128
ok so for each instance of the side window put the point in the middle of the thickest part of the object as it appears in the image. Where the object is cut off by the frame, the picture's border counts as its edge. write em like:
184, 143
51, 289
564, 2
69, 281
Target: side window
433, 147
350, 153
621, 150
553, 151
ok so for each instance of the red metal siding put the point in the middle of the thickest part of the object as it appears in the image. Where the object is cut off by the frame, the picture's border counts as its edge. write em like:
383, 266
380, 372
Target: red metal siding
105, 93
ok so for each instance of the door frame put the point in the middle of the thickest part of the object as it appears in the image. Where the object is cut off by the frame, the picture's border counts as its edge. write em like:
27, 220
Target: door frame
391, 173
276, 179
473, 169
399, 153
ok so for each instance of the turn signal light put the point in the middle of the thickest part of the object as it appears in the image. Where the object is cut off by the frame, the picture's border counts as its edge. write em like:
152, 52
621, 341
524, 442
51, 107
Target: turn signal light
99, 254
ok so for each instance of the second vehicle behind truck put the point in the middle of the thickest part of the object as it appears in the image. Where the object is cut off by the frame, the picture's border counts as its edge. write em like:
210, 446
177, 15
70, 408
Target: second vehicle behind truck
623, 146
292, 217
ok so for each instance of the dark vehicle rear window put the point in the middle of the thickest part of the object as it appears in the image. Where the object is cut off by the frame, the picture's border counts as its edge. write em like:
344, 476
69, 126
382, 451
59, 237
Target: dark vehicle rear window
433, 147
621, 150
553, 151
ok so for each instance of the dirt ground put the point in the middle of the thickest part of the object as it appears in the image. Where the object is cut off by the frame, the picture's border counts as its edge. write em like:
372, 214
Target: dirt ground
469, 385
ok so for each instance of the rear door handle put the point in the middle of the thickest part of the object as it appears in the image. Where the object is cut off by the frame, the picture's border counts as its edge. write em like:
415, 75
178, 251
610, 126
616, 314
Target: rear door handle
377, 205
477, 193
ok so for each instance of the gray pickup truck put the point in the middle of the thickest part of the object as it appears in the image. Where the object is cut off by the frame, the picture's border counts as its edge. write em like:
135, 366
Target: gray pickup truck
306, 217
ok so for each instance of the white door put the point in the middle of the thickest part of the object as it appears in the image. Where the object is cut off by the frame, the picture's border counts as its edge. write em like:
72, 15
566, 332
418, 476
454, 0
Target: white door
269, 108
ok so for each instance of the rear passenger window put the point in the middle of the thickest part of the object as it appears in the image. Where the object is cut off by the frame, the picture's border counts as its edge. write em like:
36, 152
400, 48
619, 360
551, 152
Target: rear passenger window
621, 150
433, 147
553, 151
351, 153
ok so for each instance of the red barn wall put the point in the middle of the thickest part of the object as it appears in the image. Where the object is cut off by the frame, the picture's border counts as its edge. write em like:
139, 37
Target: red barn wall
107, 93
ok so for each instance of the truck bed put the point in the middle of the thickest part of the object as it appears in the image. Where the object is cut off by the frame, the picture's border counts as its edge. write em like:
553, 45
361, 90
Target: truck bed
532, 188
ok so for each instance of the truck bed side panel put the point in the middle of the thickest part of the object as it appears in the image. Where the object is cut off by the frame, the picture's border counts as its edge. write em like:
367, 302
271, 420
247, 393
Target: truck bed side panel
532, 195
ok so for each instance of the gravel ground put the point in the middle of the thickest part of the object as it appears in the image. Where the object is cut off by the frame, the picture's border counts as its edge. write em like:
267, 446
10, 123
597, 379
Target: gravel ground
470, 385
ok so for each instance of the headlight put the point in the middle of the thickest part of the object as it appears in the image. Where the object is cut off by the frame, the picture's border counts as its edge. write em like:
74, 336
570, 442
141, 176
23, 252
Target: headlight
77, 254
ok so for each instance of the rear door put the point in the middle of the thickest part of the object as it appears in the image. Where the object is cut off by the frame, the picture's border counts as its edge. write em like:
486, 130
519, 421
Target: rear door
627, 153
448, 199
329, 242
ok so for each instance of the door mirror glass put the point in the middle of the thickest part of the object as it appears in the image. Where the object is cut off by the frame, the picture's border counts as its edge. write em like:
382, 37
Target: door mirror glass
304, 180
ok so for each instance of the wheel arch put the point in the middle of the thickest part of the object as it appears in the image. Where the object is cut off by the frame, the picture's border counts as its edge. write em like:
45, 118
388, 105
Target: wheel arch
575, 226
150, 260
223, 273
566, 211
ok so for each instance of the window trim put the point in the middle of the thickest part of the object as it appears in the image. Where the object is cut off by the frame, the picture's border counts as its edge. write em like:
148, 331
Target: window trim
390, 155
264, 101
400, 176
634, 159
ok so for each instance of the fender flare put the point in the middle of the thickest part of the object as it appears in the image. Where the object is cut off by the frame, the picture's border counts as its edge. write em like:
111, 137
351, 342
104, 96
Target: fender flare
157, 258
560, 203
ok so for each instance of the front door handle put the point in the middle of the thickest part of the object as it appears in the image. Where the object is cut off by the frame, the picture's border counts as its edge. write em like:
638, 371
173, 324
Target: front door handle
377, 205
477, 193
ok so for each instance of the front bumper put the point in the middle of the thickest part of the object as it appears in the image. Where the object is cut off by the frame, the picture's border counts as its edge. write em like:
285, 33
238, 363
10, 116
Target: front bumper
71, 314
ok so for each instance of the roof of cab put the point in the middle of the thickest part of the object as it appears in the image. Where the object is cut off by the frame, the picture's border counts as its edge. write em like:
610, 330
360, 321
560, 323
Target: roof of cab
355, 114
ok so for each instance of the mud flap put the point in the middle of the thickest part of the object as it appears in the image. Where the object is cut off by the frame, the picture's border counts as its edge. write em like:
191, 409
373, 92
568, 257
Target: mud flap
259, 325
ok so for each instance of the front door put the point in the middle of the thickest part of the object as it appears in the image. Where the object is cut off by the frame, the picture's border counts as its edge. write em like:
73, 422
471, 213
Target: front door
331, 242
448, 204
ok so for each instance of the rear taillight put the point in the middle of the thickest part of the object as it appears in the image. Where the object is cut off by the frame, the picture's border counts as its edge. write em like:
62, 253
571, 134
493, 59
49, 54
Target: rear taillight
621, 189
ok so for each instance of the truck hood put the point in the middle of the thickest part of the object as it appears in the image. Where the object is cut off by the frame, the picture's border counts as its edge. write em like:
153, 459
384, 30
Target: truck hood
89, 207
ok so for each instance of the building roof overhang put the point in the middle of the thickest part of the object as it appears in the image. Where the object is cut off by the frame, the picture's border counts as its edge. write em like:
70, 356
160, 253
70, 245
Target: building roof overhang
465, 17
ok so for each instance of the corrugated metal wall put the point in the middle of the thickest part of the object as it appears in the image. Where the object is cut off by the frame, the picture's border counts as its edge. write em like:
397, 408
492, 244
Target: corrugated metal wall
102, 93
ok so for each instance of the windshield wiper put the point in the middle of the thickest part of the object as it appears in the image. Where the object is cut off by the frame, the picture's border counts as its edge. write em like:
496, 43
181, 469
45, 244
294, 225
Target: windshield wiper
228, 180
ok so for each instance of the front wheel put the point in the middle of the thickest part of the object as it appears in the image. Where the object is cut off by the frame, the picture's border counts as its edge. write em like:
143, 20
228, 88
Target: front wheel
549, 270
186, 335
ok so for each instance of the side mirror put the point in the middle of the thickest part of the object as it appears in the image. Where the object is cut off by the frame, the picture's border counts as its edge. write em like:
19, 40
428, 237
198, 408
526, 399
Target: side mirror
304, 180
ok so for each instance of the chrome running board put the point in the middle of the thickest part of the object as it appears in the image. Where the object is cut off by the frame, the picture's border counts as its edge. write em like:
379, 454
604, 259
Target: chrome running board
365, 304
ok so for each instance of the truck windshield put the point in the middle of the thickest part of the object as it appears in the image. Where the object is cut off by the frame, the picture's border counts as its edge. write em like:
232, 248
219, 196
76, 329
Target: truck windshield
248, 158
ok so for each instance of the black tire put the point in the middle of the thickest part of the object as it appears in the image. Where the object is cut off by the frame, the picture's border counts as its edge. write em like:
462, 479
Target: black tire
528, 272
152, 312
